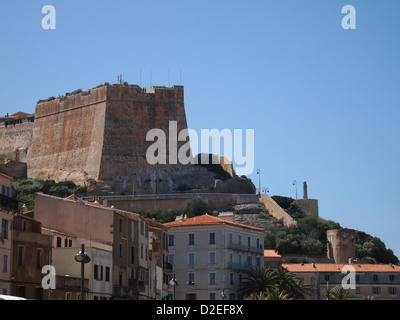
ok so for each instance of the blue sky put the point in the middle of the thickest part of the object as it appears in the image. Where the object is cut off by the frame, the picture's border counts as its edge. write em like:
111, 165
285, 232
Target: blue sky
324, 102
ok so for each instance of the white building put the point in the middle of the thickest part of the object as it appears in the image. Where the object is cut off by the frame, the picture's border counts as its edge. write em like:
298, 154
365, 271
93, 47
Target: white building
210, 254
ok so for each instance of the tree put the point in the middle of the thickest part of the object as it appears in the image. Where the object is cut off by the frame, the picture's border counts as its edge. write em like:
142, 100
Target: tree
196, 207
338, 293
263, 283
258, 281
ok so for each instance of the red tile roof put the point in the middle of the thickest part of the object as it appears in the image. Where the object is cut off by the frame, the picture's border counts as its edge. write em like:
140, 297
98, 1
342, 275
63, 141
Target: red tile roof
271, 254
206, 220
335, 267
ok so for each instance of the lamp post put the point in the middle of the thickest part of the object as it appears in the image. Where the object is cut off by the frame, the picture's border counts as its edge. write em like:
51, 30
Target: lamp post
259, 181
295, 184
223, 294
82, 258
174, 284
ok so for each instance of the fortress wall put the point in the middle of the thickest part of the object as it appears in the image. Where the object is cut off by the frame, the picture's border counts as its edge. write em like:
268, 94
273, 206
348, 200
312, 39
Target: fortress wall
15, 138
130, 114
68, 136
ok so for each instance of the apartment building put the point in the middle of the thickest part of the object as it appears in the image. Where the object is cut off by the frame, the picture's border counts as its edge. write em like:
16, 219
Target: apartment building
5, 251
31, 251
122, 238
382, 281
209, 256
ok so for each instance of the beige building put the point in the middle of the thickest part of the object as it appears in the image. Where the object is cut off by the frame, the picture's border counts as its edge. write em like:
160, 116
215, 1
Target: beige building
5, 251
209, 256
382, 281
119, 239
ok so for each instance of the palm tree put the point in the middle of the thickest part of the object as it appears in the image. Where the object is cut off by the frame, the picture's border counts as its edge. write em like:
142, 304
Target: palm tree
338, 293
290, 283
279, 284
269, 295
258, 281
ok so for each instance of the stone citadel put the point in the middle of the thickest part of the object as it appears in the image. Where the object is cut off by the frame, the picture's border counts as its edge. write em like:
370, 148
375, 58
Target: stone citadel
99, 137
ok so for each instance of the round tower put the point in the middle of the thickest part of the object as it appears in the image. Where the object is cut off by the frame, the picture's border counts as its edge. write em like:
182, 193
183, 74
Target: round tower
341, 245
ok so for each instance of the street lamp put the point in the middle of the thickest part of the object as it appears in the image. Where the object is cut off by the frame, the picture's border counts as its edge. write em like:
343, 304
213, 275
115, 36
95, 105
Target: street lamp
295, 184
223, 294
259, 181
174, 284
82, 258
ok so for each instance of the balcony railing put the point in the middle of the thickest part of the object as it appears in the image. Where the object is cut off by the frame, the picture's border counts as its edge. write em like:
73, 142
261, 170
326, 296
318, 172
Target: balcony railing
9, 203
240, 266
242, 247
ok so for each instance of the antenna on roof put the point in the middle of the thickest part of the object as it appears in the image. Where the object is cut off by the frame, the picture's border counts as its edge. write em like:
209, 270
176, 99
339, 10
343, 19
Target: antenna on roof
151, 80
120, 79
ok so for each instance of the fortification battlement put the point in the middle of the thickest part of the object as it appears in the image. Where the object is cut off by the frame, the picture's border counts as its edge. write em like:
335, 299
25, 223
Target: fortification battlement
114, 92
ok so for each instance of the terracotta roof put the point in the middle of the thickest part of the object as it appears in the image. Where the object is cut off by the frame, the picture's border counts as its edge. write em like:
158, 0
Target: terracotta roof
206, 220
6, 176
271, 254
335, 267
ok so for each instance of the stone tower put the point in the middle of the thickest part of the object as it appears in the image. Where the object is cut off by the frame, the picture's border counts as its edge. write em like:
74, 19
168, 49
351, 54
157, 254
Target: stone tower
101, 135
341, 245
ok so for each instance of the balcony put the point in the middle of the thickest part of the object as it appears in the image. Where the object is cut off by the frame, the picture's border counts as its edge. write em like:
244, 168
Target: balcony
8, 203
240, 266
242, 247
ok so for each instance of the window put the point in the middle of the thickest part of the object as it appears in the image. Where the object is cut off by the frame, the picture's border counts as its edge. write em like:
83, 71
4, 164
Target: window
120, 225
249, 261
358, 290
191, 259
68, 296
107, 273
391, 277
376, 290
375, 277
4, 228
392, 290
258, 243
230, 239
212, 278
258, 262
39, 258
120, 250
191, 239
59, 242
141, 251
141, 228
240, 240
132, 255
171, 259
65, 242
312, 282
5, 263
212, 257
191, 278
212, 295
171, 240
96, 272
132, 230
190, 296
70, 243
24, 225
231, 278
327, 277
212, 238
21, 255
248, 242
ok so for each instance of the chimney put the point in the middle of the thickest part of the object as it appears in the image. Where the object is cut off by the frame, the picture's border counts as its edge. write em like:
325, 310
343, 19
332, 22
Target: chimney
305, 195
227, 216
313, 265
